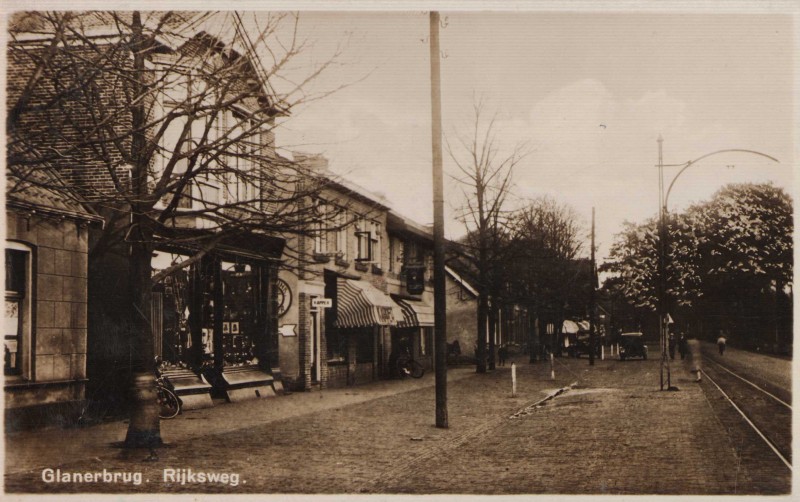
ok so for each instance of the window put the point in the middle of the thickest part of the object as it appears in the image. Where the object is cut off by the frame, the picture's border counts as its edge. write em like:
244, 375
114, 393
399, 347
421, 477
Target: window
368, 236
396, 252
18, 309
363, 241
341, 235
321, 215
375, 236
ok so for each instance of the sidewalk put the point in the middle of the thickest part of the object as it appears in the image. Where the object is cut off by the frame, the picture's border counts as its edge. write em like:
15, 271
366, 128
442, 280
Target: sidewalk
33, 449
613, 432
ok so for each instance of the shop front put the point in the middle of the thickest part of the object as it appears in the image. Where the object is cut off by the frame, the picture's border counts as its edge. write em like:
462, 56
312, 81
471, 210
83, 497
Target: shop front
414, 330
357, 331
214, 322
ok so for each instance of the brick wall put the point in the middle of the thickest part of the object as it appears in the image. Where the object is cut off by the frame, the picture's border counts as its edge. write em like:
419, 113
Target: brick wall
462, 317
61, 122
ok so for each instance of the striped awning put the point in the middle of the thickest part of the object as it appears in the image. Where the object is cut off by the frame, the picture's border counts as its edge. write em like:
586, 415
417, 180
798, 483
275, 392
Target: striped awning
359, 304
415, 313
570, 327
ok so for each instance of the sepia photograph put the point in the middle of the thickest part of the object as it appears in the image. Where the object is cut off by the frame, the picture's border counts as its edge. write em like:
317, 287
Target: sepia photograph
382, 248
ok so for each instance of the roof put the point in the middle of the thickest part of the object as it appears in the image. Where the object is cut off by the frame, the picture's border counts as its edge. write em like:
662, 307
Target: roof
317, 165
44, 191
460, 280
396, 222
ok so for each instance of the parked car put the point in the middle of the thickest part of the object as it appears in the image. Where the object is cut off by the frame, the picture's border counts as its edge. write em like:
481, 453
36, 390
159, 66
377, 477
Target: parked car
582, 343
632, 345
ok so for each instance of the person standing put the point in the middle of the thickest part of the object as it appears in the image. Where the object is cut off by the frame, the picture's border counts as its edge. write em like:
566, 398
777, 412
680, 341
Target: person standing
502, 354
672, 345
683, 346
694, 361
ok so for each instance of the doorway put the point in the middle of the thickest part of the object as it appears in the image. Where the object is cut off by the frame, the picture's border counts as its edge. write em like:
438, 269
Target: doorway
316, 335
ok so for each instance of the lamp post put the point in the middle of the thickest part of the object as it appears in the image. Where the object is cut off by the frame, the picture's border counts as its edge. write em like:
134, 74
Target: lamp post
663, 310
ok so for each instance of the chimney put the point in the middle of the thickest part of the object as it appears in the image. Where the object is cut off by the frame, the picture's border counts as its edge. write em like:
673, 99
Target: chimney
316, 162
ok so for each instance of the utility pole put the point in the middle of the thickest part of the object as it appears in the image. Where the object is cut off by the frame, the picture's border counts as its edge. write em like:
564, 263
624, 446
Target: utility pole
592, 301
439, 298
662, 266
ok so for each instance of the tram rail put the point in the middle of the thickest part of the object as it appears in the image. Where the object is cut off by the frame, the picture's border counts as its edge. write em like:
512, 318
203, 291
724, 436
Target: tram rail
769, 417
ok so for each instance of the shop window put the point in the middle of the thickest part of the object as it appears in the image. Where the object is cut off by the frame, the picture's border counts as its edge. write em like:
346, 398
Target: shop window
365, 345
18, 309
336, 342
171, 308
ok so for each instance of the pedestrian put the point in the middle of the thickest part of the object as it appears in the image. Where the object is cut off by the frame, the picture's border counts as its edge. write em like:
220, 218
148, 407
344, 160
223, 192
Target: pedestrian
672, 345
721, 341
502, 354
694, 359
683, 346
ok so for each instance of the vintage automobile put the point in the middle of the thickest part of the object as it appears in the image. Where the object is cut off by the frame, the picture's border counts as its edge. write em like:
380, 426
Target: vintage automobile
632, 345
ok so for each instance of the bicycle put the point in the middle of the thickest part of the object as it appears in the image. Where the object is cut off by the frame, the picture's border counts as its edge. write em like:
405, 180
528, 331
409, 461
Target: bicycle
169, 404
406, 366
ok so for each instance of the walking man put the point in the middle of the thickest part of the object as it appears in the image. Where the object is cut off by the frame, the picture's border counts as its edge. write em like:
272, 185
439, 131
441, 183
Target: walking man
502, 354
721, 341
683, 347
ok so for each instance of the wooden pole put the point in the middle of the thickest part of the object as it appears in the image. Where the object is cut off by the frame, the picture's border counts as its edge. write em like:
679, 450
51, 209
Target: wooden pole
439, 298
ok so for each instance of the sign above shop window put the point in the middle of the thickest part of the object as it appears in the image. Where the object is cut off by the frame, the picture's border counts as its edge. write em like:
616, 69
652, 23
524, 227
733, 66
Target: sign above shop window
415, 279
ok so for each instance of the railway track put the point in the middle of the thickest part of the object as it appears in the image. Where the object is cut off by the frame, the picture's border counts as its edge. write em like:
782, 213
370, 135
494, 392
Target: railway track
764, 407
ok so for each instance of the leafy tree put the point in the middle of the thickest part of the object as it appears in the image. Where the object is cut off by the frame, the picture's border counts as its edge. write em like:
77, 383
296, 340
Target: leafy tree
725, 256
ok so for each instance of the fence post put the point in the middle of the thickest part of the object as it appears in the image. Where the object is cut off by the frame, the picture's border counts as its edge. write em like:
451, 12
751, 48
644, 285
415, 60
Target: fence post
513, 380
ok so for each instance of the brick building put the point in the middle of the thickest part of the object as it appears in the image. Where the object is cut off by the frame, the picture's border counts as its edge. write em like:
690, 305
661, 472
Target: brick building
46, 266
344, 260
410, 278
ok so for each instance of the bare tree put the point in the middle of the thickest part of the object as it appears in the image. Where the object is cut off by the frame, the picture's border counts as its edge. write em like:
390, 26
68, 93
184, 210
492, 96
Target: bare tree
164, 123
485, 176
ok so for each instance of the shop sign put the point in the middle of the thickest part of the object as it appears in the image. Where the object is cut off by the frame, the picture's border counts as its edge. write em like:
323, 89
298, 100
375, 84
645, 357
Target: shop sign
284, 296
288, 330
385, 315
321, 303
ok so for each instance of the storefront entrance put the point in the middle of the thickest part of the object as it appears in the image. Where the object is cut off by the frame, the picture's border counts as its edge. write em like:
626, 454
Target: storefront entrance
213, 323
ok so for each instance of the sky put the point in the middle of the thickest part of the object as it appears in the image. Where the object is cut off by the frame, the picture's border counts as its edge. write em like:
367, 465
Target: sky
588, 93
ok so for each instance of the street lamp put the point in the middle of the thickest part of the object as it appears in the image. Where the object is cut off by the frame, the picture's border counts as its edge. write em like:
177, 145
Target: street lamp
663, 310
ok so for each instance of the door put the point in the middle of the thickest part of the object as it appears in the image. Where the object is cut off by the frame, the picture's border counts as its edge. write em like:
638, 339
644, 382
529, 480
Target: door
315, 368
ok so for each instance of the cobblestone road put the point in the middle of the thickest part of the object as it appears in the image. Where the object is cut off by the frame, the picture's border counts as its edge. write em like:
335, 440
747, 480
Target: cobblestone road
612, 433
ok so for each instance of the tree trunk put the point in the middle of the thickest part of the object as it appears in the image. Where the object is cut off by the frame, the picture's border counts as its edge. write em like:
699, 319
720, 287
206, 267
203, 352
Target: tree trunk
483, 314
144, 429
533, 335
492, 334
